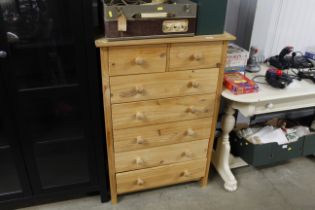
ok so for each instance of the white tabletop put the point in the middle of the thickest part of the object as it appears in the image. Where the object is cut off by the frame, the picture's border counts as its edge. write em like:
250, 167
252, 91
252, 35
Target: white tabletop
268, 93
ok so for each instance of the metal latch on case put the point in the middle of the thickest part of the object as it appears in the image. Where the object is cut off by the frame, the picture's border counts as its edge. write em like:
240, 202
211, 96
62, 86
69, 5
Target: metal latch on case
175, 26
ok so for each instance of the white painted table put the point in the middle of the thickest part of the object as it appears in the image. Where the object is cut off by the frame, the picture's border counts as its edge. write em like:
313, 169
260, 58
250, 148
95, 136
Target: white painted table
299, 94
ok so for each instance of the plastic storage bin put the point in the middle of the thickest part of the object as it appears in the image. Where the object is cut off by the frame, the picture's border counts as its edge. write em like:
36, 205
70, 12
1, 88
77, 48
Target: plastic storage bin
309, 145
267, 154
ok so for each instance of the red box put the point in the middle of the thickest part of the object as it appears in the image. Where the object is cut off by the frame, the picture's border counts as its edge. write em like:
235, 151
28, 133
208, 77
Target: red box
238, 84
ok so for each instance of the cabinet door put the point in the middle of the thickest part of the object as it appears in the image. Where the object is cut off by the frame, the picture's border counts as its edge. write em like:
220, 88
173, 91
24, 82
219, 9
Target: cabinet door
48, 76
13, 179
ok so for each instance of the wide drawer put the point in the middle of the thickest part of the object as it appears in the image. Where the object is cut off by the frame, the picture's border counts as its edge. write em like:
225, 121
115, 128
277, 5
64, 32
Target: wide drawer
161, 135
137, 59
160, 176
195, 55
162, 111
163, 85
127, 161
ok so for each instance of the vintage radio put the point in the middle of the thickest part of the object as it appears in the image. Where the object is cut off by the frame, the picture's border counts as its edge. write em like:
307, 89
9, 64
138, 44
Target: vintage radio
133, 19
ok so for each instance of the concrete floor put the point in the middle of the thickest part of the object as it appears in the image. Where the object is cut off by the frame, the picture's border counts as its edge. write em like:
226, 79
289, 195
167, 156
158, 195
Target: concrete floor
289, 186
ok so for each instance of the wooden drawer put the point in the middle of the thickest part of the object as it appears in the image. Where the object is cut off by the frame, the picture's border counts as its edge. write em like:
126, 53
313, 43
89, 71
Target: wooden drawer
163, 85
161, 135
162, 111
195, 55
127, 161
137, 59
160, 176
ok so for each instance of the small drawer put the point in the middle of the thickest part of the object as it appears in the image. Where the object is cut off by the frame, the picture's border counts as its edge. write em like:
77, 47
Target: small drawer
195, 55
131, 139
127, 161
160, 176
160, 111
163, 85
137, 59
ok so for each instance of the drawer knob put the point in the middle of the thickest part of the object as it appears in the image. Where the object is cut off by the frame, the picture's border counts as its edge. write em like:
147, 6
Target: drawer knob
194, 84
139, 89
139, 116
139, 61
269, 105
192, 109
197, 56
187, 153
140, 140
185, 173
140, 182
139, 161
190, 132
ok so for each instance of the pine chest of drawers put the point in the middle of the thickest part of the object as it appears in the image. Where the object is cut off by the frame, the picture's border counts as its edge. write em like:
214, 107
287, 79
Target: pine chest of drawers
161, 101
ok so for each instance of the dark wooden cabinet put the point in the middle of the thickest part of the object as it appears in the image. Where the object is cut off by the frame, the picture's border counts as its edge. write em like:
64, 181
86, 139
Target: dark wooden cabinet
51, 138
13, 177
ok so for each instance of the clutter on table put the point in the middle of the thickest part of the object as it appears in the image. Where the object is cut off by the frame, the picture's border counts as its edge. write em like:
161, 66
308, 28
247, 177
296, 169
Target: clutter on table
238, 83
273, 141
269, 134
236, 60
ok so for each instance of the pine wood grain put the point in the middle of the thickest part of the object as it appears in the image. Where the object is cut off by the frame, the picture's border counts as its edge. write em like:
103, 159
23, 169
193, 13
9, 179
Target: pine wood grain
108, 122
103, 42
131, 139
136, 60
204, 180
195, 56
163, 85
146, 158
160, 176
159, 111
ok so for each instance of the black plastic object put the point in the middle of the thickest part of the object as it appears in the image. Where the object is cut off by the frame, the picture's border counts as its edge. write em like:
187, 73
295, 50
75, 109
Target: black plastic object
279, 61
211, 16
307, 75
278, 79
289, 59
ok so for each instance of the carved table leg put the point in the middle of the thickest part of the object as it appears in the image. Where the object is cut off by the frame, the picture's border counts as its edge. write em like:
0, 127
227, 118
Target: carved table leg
221, 159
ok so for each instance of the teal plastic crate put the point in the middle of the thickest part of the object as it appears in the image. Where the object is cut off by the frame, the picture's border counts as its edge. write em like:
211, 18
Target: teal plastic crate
309, 145
211, 16
265, 154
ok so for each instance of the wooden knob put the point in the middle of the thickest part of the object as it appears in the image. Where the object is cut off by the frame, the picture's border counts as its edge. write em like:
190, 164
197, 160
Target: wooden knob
194, 84
139, 61
190, 132
139, 116
187, 153
139, 89
185, 173
139, 161
140, 181
191, 109
197, 56
140, 140
269, 105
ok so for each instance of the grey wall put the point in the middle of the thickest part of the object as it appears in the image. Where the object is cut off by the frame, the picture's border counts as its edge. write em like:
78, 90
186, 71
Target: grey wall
240, 20
232, 14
